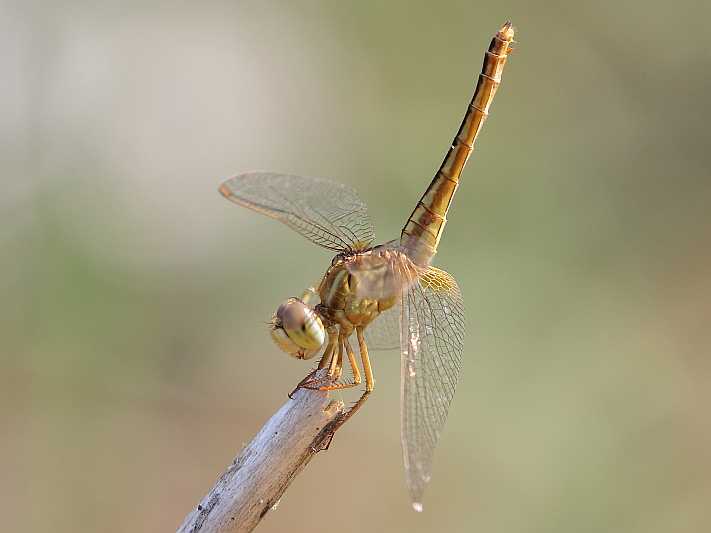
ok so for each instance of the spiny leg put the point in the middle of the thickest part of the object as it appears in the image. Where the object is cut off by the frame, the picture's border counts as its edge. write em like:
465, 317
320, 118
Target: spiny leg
337, 361
369, 383
343, 343
339, 367
330, 349
352, 360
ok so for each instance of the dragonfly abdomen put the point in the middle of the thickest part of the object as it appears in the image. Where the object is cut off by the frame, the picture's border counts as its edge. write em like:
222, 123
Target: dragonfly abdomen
423, 230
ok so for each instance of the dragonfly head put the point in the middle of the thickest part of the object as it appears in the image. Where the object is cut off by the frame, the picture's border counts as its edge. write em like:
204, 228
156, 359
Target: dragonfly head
297, 329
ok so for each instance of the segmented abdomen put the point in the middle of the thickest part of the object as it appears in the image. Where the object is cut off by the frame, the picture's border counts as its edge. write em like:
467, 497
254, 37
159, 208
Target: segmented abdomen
422, 232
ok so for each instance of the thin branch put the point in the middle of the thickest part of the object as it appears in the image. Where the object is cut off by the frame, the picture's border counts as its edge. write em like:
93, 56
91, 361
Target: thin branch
257, 478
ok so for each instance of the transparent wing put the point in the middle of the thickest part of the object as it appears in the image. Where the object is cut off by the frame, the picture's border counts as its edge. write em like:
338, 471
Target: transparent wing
327, 213
432, 332
384, 332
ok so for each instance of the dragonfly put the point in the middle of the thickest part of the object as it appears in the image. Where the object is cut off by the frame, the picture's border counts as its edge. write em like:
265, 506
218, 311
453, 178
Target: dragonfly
388, 295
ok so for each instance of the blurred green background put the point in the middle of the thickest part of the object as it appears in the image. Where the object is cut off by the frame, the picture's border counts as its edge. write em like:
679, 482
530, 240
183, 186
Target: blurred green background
135, 359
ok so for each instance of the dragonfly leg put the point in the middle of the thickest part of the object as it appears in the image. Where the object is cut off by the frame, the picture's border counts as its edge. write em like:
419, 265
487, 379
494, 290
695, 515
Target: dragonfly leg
369, 381
330, 349
352, 361
334, 369
339, 368
344, 418
354, 365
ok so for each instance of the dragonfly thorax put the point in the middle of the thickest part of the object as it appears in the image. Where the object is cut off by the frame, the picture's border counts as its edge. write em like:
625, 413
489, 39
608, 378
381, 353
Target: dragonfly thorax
357, 287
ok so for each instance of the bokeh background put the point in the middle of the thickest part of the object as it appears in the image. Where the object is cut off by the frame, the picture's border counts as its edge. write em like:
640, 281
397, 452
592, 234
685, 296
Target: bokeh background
134, 355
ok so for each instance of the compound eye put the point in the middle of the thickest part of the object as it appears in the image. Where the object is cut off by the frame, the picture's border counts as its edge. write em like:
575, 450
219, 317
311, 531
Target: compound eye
297, 329
282, 340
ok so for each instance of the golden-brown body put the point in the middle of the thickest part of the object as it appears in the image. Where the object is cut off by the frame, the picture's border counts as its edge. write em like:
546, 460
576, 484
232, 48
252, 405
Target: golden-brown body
363, 282
358, 287
422, 232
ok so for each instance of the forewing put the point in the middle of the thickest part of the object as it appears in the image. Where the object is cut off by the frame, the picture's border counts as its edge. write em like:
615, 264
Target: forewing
327, 213
432, 332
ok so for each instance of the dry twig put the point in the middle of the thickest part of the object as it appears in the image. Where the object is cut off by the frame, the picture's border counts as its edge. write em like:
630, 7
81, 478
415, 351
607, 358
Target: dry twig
257, 478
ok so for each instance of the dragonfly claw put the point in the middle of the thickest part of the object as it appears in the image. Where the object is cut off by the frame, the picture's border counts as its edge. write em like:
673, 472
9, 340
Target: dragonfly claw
313, 381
